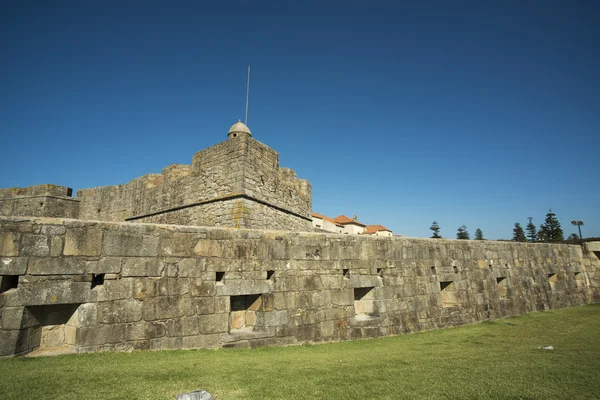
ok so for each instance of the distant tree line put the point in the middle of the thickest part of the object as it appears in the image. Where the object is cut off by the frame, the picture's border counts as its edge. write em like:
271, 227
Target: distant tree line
550, 231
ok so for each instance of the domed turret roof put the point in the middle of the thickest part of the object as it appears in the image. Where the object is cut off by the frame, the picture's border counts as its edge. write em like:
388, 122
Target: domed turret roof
238, 128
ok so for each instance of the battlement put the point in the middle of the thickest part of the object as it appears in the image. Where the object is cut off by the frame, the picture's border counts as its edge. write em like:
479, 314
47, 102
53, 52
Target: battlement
36, 190
235, 183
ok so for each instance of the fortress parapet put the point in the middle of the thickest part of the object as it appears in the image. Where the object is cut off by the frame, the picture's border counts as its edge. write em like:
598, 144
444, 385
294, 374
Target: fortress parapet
39, 201
236, 183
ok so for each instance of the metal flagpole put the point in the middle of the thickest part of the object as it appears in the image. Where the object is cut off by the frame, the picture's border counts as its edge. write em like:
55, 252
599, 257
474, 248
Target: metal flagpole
247, 92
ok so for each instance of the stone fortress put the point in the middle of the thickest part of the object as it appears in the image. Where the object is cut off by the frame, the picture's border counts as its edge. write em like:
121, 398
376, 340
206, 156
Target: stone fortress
223, 253
236, 183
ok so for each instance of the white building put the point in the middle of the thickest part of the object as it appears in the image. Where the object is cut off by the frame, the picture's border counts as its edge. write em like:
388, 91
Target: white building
347, 225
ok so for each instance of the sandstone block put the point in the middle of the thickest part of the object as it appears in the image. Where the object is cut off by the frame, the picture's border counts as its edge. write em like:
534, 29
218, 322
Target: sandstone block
87, 314
13, 265
191, 267
52, 292
9, 244
199, 288
145, 330
8, 342
208, 248
132, 245
56, 246
11, 318
185, 326
215, 323
35, 245
142, 267
272, 318
105, 265
342, 297
119, 311
163, 308
83, 241
240, 287
56, 266
204, 305
114, 290
176, 245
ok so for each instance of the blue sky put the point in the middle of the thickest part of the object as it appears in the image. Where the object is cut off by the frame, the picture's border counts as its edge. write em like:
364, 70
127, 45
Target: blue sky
480, 113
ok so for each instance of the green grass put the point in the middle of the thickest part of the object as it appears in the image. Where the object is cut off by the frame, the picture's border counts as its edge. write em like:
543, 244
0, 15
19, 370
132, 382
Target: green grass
490, 360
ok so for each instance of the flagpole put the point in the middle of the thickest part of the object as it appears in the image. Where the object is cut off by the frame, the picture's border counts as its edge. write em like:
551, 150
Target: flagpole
247, 93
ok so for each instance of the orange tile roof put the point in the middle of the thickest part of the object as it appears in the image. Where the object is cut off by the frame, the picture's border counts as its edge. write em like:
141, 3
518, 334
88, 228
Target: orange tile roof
325, 218
342, 219
371, 229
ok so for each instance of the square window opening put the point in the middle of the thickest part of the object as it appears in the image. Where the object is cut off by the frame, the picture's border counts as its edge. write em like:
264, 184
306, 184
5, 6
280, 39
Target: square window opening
97, 280
8, 282
502, 283
270, 274
448, 294
364, 303
219, 275
346, 273
243, 312
380, 272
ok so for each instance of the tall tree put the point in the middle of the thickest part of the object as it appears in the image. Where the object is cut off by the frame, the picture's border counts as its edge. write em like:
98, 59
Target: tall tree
573, 236
550, 230
518, 233
462, 233
479, 234
436, 230
531, 231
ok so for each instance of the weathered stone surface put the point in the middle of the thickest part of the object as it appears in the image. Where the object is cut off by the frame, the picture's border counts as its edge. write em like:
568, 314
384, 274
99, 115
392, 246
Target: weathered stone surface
35, 245
142, 266
9, 244
216, 323
132, 300
158, 308
119, 311
13, 265
83, 241
56, 266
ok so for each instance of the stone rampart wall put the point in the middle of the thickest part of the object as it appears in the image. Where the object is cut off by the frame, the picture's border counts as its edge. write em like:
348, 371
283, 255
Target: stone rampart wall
95, 286
39, 201
236, 212
237, 167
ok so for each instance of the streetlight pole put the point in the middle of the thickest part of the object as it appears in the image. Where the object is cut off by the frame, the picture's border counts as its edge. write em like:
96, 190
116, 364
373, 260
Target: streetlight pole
578, 223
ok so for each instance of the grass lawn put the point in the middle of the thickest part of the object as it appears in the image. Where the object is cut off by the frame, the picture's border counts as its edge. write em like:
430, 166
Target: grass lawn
497, 359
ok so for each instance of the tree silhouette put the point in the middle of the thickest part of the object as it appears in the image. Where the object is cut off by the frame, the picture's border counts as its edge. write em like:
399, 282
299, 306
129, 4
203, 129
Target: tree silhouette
531, 231
462, 233
436, 230
518, 233
479, 234
550, 230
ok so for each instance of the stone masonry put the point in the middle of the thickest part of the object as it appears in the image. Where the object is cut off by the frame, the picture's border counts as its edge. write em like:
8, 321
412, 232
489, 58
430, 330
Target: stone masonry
84, 286
236, 183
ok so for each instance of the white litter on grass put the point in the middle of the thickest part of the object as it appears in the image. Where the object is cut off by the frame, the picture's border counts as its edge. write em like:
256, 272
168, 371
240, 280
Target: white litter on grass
546, 347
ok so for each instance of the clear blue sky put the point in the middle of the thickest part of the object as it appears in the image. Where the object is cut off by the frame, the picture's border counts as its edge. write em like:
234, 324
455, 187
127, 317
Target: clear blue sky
479, 113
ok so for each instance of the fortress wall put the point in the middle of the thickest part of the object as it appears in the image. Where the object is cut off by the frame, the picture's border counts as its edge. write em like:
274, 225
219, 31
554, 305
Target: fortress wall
36, 190
591, 260
39, 201
236, 212
95, 286
215, 172
265, 181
